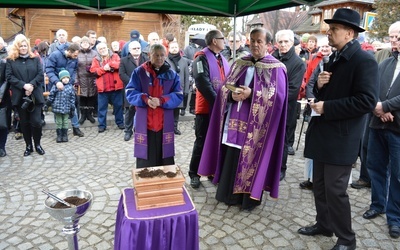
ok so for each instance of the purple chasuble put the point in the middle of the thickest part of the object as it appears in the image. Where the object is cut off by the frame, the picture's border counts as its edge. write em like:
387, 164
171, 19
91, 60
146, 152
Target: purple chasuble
140, 135
258, 127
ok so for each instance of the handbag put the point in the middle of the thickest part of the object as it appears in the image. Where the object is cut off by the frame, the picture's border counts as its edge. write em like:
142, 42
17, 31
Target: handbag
3, 118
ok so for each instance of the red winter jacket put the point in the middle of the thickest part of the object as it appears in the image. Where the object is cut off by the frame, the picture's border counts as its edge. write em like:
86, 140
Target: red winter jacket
107, 81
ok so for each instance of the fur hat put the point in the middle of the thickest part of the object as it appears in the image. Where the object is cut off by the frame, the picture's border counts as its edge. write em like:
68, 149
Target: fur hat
346, 17
63, 73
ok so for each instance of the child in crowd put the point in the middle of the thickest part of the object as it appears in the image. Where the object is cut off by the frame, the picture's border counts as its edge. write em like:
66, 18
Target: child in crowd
63, 105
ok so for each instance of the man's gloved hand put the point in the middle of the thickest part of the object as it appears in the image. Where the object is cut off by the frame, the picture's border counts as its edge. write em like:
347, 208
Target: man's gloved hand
71, 113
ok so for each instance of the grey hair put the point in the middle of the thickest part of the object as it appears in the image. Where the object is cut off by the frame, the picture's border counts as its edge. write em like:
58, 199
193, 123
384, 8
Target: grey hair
280, 33
61, 31
394, 26
157, 47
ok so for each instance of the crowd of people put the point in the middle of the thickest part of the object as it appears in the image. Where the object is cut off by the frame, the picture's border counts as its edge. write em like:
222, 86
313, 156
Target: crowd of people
244, 96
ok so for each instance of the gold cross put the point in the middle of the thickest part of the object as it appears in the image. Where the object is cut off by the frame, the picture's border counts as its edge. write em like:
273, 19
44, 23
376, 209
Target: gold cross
140, 138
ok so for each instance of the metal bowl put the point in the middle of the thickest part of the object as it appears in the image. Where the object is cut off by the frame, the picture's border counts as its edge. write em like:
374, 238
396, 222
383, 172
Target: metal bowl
72, 215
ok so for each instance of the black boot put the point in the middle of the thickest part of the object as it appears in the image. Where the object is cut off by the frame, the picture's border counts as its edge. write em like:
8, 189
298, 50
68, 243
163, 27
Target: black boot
59, 134
89, 116
28, 150
64, 133
39, 149
83, 115
37, 135
78, 132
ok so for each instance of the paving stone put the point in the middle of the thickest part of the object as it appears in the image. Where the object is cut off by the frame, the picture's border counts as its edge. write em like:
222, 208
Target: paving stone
85, 163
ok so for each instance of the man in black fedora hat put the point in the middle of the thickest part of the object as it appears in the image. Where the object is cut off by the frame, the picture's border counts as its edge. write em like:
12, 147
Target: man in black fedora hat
345, 91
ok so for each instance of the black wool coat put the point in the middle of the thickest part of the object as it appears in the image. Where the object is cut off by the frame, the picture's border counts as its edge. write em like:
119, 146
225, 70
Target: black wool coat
126, 67
334, 137
21, 71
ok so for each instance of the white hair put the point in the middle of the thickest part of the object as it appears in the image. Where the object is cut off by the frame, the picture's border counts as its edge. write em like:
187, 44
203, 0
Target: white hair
61, 31
288, 33
395, 26
153, 34
133, 44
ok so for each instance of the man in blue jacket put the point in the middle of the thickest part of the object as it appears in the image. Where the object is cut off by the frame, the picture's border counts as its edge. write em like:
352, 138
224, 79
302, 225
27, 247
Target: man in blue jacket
65, 57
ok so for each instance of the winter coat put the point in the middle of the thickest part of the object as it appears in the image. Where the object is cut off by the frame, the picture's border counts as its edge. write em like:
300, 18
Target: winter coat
125, 49
335, 136
4, 86
306, 54
63, 101
126, 68
85, 79
190, 51
145, 82
183, 64
107, 81
3, 53
183, 72
54, 46
241, 52
21, 71
295, 71
388, 95
58, 61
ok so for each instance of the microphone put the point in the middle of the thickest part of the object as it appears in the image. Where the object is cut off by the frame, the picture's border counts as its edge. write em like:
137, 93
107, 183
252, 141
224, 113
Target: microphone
325, 60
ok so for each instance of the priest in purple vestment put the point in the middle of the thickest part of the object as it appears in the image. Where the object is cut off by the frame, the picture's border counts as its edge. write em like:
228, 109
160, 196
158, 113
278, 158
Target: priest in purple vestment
245, 139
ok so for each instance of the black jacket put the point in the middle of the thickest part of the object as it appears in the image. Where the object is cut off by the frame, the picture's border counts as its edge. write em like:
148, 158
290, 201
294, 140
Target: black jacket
22, 71
389, 96
334, 137
4, 86
126, 67
295, 71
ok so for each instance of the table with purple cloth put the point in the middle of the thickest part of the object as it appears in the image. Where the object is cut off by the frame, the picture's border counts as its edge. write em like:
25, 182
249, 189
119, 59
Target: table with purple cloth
174, 227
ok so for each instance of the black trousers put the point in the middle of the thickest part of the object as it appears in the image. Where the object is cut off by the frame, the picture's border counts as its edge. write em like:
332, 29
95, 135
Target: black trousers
332, 201
31, 123
185, 101
87, 102
176, 117
201, 126
154, 152
291, 122
192, 101
227, 180
129, 119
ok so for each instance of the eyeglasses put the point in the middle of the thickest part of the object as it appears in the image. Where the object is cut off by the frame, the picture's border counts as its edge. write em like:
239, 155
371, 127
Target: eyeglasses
135, 48
220, 38
231, 41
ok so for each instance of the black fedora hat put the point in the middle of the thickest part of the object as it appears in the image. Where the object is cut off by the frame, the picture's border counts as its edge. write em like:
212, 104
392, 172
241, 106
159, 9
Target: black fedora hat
347, 17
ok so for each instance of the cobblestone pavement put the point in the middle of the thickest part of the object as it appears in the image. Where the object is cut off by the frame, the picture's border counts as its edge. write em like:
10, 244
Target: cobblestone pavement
102, 164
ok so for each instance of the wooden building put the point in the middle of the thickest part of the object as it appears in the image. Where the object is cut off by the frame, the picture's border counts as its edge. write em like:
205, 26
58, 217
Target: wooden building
315, 23
114, 25
311, 21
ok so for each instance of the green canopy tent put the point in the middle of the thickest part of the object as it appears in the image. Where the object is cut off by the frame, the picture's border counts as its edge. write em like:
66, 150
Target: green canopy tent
229, 8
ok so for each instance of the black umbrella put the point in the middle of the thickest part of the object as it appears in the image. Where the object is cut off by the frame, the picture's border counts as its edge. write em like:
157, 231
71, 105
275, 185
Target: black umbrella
199, 39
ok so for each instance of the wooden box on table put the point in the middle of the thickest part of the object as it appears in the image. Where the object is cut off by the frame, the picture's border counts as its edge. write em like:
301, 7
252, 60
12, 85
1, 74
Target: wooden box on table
158, 187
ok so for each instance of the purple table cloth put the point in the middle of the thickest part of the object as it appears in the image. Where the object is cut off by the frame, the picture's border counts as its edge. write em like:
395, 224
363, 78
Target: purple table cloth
174, 227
